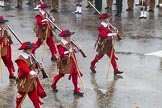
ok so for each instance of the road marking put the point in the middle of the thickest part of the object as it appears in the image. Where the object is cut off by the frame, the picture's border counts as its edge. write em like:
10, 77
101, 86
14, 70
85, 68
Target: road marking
157, 53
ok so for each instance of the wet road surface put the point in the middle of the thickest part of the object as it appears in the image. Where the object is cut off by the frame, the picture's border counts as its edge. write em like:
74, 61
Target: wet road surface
140, 85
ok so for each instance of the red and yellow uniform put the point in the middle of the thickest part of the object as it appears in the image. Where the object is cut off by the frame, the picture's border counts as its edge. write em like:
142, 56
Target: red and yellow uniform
5, 48
44, 31
66, 64
105, 45
28, 83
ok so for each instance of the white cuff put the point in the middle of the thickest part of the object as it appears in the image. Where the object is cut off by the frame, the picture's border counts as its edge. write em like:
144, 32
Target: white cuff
32, 73
111, 34
44, 20
66, 52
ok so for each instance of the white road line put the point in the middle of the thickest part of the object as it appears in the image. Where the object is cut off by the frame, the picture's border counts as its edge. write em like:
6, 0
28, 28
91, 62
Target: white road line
157, 53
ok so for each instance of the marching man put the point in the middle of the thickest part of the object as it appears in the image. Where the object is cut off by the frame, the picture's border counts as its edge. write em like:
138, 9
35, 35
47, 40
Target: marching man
104, 43
44, 30
5, 47
27, 82
67, 64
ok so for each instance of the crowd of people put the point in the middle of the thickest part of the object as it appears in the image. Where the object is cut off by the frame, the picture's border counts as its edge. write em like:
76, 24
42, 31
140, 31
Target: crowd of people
147, 5
130, 3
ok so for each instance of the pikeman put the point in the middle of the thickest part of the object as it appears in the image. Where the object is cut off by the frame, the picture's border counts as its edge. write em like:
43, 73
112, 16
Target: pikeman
43, 30
28, 82
5, 47
144, 9
67, 64
105, 45
78, 7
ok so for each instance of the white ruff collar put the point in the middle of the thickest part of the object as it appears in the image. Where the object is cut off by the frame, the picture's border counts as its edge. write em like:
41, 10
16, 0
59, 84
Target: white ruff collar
104, 24
42, 11
25, 55
64, 41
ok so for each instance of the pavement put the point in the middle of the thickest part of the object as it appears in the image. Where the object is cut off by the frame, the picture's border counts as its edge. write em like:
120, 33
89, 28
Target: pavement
139, 56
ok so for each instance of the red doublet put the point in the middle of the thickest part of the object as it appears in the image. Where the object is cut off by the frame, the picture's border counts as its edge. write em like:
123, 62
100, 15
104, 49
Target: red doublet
103, 33
33, 95
73, 71
50, 42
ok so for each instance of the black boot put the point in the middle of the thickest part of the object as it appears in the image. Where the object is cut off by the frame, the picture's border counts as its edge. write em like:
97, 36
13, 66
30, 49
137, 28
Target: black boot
93, 70
119, 38
29, 3
53, 59
119, 15
116, 14
129, 9
118, 72
77, 93
18, 7
150, 10
54, 10
54, 89
12, 77
96, 13
107, 8
88, 6
158, 6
